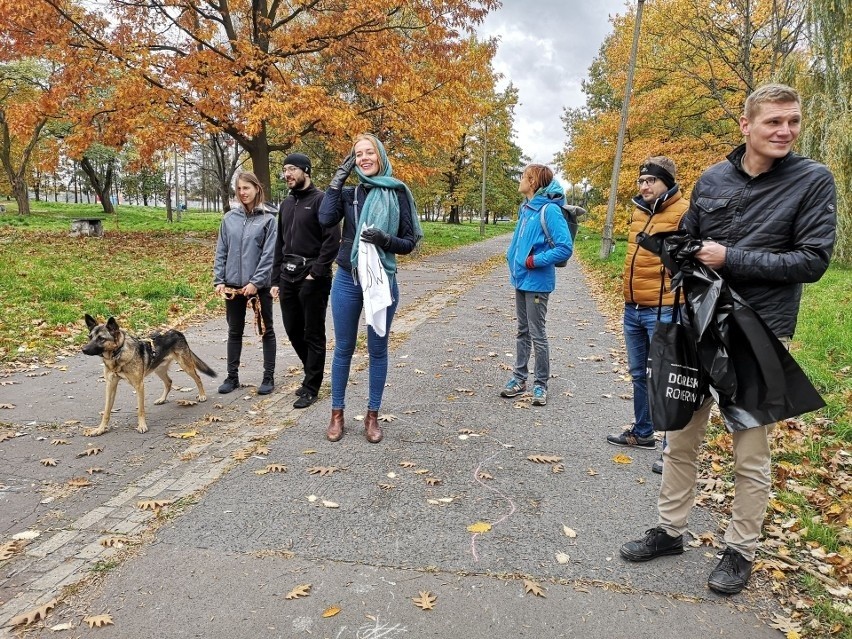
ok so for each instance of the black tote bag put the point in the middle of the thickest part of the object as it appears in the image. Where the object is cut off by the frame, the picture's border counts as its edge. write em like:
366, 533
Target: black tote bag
674, 374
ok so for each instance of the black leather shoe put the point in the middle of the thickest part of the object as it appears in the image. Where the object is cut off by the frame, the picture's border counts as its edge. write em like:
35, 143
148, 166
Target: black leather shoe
657, 466
656, 543
302, 391
305, 400
230, 384
731, 574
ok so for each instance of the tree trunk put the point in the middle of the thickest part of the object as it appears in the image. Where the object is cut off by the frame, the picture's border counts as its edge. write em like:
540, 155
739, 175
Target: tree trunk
454, 215
258, 151
169, 217
101, 188
20, 191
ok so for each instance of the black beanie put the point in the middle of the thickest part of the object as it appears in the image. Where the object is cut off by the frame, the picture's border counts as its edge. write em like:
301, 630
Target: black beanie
299, 160
659, 172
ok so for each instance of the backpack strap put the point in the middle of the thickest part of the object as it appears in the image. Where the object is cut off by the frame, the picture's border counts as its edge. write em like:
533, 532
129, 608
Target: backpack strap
544, 226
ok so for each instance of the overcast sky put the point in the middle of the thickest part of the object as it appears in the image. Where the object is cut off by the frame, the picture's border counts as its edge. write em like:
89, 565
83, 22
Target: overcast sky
545, 49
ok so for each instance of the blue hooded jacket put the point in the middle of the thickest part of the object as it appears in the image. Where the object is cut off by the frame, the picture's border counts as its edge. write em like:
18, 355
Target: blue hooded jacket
529, 239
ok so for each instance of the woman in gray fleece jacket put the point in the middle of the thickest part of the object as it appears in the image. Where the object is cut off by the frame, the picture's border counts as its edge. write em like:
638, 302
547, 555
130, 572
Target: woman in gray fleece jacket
244, 253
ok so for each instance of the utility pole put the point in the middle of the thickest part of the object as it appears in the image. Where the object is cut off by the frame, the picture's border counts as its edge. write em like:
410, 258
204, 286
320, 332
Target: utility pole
608, 244
484, 166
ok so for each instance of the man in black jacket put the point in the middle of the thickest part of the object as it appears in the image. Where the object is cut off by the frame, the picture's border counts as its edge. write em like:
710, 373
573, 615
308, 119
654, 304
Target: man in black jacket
767, 220
301, 272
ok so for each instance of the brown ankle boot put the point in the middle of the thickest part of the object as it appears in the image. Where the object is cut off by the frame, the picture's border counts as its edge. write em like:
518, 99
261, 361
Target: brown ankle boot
334, 432
372, 430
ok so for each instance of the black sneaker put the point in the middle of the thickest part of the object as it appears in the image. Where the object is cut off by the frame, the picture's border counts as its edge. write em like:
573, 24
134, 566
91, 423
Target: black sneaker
305, 400
230, 384
266, 386
632, 441
656, 543
657, 466
731, 574
302, 391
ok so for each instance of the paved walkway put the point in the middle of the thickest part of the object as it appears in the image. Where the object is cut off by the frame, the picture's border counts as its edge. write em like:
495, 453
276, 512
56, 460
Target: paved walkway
369, 527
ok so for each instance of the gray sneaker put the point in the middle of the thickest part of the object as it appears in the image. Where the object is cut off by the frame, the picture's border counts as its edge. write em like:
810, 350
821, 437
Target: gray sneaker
632, 441
513, 388
539, 396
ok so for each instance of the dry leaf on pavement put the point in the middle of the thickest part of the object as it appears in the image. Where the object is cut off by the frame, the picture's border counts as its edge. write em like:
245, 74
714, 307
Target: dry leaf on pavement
330, 612
10, 548
407, 464
483, 475
189, 434
562, 558
425, 601
558, 468
276, 468
98, 621
47, 461
94, 470
91, 451
79, 482
387, 417
622, 459
479, 527
532, 587
330, 504
35, 614
186, 402
569, 532
153, 504
322, 471
432, 481
57, 442
302, 590
8, 406
544, 459
387, 486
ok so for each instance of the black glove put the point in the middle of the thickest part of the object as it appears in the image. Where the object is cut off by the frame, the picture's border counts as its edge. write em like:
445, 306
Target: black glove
376, 236
342, 172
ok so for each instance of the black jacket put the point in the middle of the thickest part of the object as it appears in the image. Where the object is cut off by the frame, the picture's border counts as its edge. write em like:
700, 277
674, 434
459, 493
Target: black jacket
339, 204
778, 227
300, 233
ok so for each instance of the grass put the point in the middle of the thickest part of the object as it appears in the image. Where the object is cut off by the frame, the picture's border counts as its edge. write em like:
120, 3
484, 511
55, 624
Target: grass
145, 272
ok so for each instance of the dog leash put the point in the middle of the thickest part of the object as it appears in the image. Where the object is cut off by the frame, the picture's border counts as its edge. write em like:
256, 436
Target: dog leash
253, 302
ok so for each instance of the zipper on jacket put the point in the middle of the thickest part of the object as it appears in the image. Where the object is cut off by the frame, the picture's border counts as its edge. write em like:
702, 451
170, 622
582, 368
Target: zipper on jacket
633, 260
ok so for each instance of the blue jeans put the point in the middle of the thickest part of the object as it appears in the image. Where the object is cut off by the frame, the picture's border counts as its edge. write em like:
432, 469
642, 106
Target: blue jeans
638, 328
531, 309
346, 304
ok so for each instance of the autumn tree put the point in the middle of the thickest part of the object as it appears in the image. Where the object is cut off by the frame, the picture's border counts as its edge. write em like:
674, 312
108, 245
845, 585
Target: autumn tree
269, 73
697, 62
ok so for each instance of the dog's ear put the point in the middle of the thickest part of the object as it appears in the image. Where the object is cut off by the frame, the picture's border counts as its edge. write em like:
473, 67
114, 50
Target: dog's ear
112, 326
91, 322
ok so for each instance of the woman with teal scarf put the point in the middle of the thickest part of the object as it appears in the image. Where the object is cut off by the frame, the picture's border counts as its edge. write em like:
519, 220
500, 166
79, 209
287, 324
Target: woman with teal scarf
379, 210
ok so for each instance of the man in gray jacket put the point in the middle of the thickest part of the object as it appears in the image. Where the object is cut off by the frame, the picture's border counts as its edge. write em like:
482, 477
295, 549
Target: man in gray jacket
767, 219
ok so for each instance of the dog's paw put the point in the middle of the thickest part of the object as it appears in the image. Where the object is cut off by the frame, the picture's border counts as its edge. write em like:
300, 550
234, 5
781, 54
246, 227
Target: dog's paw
94, 432
160, 401
201, 398
142, 428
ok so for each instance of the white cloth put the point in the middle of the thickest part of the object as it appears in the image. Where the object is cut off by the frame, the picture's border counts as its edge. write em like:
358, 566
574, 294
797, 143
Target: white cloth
375, 287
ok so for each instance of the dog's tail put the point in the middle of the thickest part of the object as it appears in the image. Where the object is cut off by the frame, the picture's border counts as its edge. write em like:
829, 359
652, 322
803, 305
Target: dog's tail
202, 366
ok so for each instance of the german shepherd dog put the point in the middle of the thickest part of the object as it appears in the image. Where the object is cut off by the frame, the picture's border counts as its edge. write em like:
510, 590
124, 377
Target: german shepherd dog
128, 357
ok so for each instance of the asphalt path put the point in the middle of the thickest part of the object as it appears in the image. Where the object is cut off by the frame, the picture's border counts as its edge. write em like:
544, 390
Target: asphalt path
367, 527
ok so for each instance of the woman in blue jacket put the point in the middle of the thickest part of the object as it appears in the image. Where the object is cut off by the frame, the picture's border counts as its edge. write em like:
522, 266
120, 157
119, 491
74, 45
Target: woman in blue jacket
532, 272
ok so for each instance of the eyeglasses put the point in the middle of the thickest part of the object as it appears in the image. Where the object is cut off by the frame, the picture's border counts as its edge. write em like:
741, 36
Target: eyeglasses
290, 169
650, 181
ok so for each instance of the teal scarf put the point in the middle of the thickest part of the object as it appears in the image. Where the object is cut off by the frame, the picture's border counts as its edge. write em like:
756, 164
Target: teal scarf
381, 208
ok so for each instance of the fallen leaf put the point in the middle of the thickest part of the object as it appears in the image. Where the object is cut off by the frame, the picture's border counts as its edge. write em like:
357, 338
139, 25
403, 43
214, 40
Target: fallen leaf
569, 532
153, 504
79, 482
432, 481
71, 422
35, 614
425, 601
91, 451
532, 587
562, 558
241, 455
422, 471
407, 464
322, 471
116, 541
276, 468
8, 406
98, 621
622, 459
10, 548
94, 470
310, 451
465, 431
62, 626
330, 504
58, 442
47, 461
330, 612
302, 590
483, 475
189, 434
263, 451
186, 402
312, 498
591, 472
27, 535
5, 436
544, 459
213, 418
387, 486
479, 527
558, 468
387, 417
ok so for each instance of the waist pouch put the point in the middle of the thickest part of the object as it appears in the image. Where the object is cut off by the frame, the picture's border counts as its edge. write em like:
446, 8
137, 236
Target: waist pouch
295, 268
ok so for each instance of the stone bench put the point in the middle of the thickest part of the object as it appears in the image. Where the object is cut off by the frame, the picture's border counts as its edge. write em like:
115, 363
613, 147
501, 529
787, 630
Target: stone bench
87, 227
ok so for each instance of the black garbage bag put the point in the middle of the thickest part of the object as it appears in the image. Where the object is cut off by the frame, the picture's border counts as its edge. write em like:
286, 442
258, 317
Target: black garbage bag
753, 378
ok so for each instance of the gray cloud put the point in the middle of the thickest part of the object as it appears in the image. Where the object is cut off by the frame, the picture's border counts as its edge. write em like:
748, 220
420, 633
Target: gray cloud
545, 49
